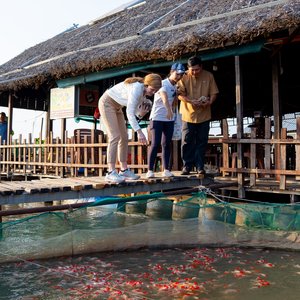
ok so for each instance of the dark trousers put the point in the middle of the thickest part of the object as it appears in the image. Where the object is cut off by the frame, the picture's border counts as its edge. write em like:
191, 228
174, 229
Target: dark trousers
161, 135
194, 143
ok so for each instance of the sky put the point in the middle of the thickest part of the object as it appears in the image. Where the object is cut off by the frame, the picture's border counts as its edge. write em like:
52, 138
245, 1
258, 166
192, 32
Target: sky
25, 23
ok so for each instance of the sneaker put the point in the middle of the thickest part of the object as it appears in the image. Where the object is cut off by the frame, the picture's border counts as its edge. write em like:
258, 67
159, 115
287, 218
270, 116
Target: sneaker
201, 172
167, 173
114, 177
150, 174
185, 171
127, 174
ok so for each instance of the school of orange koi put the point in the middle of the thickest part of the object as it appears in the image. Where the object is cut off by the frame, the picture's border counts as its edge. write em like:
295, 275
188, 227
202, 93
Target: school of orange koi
195, 273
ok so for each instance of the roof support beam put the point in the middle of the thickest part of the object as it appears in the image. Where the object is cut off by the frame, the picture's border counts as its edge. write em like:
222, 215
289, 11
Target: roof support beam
10, 116
240, 128
276, 108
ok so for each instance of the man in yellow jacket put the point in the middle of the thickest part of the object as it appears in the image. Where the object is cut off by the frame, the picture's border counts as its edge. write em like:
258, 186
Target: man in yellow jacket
197, 92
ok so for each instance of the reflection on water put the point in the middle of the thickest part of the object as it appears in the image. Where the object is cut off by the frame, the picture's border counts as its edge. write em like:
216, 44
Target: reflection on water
198, 273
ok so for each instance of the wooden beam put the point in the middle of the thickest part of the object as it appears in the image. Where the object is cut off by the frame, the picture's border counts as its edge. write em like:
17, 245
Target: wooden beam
240, 130
49, 123
10, 117
298, 148
276, 108
293, 33
282, 184
225, 146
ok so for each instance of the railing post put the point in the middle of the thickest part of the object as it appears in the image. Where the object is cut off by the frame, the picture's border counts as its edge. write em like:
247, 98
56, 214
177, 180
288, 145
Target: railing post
282, 184
253, 158
267, 146
298, 147
225, 146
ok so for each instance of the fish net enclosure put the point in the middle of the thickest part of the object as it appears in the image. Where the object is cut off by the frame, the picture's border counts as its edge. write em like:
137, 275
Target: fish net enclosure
151, 221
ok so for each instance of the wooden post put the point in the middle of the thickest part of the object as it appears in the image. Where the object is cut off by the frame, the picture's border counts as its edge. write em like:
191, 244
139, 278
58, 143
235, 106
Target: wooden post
9, 130
282, 183
10, 117
267, 146
298, 148
101, 158
240, 128
62, 140
57, 141
49, 123
276, 111
225, 147
174, 156
1, 230
253, 157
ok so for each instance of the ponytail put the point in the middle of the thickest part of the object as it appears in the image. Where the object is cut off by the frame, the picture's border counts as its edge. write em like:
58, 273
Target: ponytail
134, 79
153, 80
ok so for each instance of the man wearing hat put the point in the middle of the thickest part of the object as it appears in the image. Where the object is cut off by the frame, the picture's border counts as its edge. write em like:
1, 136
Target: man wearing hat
197, 92
162, 120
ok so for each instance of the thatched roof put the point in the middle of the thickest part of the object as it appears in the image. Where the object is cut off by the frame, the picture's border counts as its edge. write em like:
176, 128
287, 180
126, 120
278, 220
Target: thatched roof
157, 30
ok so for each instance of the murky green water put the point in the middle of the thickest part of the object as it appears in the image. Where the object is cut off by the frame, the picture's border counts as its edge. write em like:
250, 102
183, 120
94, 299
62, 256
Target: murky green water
198, 273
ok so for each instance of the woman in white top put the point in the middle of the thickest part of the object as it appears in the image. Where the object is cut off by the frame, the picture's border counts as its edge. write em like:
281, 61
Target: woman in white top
130, 93
162, 120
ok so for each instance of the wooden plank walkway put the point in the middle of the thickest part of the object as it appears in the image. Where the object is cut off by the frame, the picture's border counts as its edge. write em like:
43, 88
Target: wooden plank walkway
43, 190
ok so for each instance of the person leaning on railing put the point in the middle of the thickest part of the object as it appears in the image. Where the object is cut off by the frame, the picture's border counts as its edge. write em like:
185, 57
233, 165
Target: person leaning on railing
130, 93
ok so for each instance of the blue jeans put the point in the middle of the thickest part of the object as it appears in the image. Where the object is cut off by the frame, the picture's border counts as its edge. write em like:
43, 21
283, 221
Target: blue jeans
161, 135
194, 143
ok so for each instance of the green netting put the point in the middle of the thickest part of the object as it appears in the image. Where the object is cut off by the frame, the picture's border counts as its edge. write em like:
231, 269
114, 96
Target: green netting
151, 220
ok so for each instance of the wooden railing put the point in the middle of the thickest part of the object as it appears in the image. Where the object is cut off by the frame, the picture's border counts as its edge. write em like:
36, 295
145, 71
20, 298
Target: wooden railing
69, 157
72, 157
274, 154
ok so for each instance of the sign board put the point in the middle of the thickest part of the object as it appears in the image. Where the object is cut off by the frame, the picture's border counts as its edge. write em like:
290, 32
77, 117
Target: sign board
62, 102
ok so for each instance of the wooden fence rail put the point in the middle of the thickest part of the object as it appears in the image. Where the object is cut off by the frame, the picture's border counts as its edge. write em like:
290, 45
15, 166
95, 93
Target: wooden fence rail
71, 157
86, 156
262, 156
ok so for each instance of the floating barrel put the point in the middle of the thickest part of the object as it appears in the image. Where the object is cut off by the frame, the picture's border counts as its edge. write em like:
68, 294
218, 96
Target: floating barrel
160, 208
221, 213
254, 215
185, 210
287, 218
135, 207
212, 210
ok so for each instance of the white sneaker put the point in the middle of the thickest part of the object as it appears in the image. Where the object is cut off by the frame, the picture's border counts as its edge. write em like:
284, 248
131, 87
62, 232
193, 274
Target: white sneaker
127, 174
167, 173
150, 174
114, 177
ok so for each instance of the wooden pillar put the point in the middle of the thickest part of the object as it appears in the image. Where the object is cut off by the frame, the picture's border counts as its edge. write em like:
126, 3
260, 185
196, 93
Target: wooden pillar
225, 147
268, 146
10, 117
62, 129
49, 123
62, 141
240, 128
298, 148
276, 111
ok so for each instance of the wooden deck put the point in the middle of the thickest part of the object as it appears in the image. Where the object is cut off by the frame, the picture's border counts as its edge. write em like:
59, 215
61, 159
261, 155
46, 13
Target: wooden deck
43, 190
